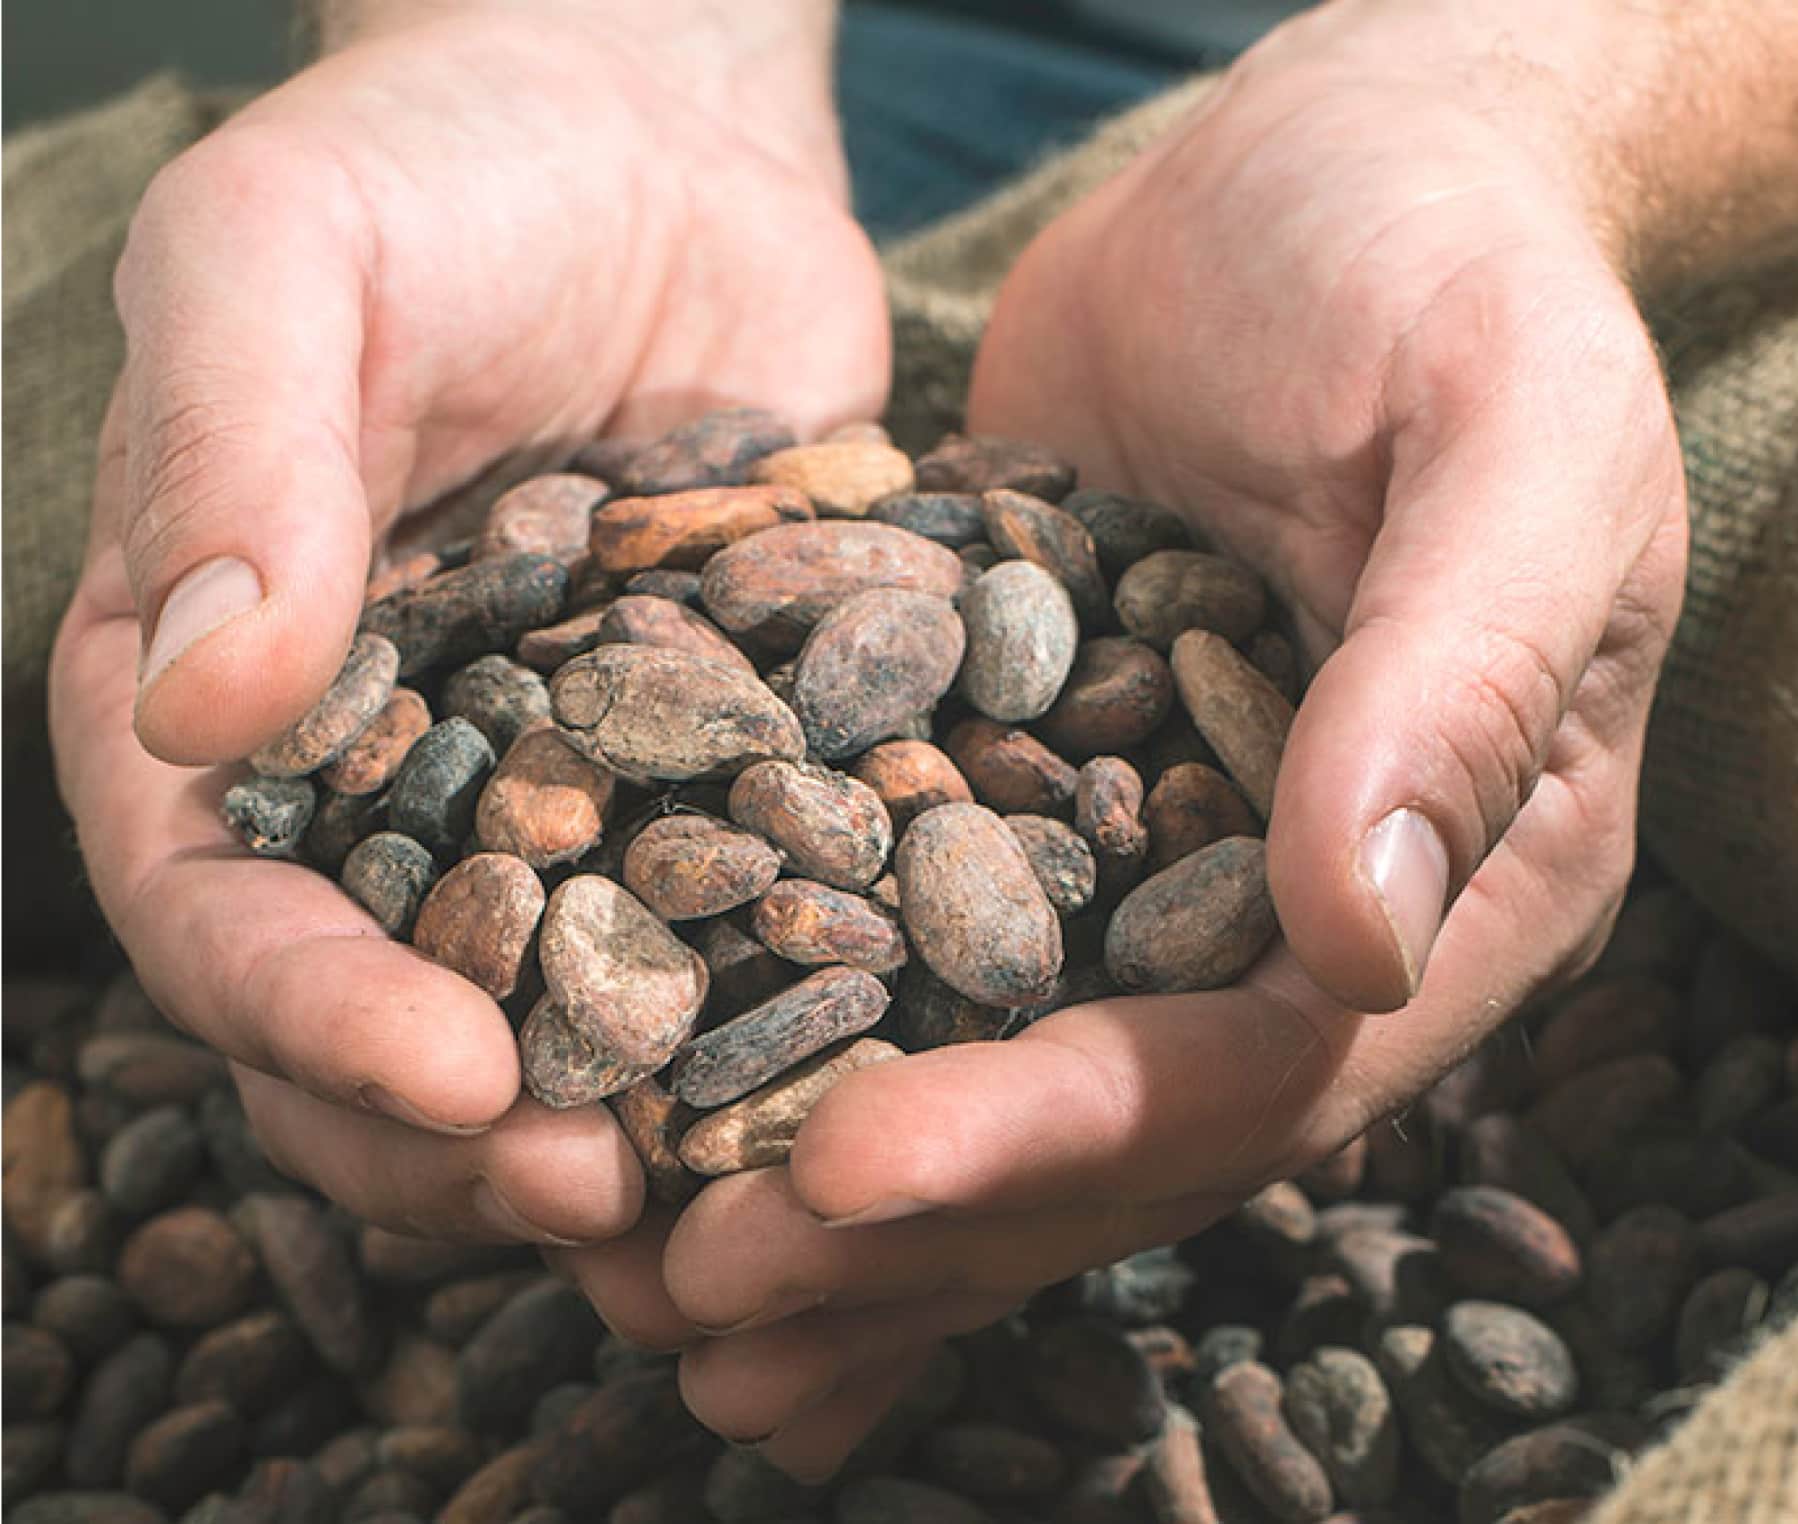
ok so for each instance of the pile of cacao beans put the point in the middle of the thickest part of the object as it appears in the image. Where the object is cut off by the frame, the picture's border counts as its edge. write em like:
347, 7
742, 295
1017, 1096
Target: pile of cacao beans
773, 761
1477, 1311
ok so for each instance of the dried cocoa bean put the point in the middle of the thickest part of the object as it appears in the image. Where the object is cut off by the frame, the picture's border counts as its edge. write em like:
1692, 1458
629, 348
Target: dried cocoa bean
637, 620
340, 823
389, 875
653, 714
1244, 1419
151, 1161
653, 1120
760, 1129
187, 1268
1108, 806
1023, 527
1579, 1457
499, 697
1010, 770
1338, 1406
932, 1015
748, 1051
544, 651
544, 1335
458, 615
1271, 654
123, 1394
974, 909
309, 1264
872, 663
1022, 637
1446, 1428
841, 478
900, 1500
743, 972
718, 449
38, 1369
1762, 1235
1197, 925
1191, 807
356, 696
681, 531
626, 986
950, 518
689, 866
1062, 862
993, 1461
562, 1068
1499, 1150
1397, 1275
1606, 1019
44, 1162
1508, 1360
1116, 696
408, 571
480, 919
1170, 591
270, 815
1495, 1244
543, 516
1589, 1116
367, 764
438, 785
1126, 530
1088, 1377
88, 1313
545, 803
911, 777
984, 462
1238, 712
1715, 1322
809, 923
184, 1454
249, 1364
1638, 1271
830, 826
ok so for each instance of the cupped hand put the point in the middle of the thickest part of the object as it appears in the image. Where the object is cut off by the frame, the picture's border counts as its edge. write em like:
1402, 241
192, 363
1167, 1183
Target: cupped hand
483, 232
1359, 317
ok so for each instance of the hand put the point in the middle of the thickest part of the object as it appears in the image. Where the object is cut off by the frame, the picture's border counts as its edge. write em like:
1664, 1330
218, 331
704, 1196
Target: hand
482, 228
1360, 318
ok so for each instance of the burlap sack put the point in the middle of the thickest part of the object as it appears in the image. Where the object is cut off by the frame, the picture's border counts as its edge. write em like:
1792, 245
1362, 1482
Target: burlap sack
1721, 800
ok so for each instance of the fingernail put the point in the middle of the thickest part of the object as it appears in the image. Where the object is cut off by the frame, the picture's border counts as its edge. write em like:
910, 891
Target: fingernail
1406, 863
212, 593
887, 1209
788, 1304
500, 1215
380, 1098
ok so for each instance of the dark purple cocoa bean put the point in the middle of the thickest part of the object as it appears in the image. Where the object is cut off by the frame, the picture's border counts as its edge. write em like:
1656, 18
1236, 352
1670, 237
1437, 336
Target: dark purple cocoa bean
1587, 1117
150, 1162
635, 620
689, 866
950, 518
1126, 529
1010, 770
782, 581
1190, 807
499, 697
123, 1394
809, 923
1447, 1428
356, 696
911, 777
932, 1015
545, 803
1638, 1271
1116, 696
1271, 654
830, 826
625, 984
1338, 1406
988, 1460
1239, 713
542, 516
270, 815
462, 614
1578, 1457
1717, 1319
1508, 1360
1091, 1379
308, 1261
434, 793
544, 1335
1023, 527
666, 582
985, 462
1499, 1150
653, 1120
1243, 1417
748, 1051
1494, 1243
187, 1268
249, 1364
627, 1431
760, 1129
872, 663
1063, 863
1763, 1234
88, 1313
480, 920
716, 450
1172, 591
389, 875
1196, 925
974, 909
900, 1500
668, 716
39, 1371
1022, 637
742, 972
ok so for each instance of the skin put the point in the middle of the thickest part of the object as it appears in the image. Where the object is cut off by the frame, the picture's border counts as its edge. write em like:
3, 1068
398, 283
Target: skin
1366, 316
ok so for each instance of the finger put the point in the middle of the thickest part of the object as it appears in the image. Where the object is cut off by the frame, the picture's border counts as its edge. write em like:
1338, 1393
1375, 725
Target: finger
623, 1281
755, 1384
244, 521
537, 1176
748, 1252
1533, 464
815, 1445
267, 961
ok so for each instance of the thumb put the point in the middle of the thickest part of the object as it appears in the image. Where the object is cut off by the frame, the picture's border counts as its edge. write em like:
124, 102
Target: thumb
1510, 527
245, 526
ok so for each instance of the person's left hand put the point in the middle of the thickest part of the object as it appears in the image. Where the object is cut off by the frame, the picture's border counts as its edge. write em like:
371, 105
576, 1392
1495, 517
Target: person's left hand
1355, 317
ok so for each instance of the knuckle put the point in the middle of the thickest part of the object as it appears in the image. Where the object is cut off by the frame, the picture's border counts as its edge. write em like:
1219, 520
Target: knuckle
1504, 708
181, 464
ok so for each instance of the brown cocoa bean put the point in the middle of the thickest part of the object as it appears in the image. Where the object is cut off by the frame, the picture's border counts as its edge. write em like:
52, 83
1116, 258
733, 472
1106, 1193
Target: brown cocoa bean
1170, 591
39, 1371
782, 581
1238, 712
974, 909
546, 650
1022, 638
1338, 1406
88, 1313
499, 697
1638, 1272
625, 984
1108, 806
689, 866
635, 620
43, 1159
184, 1454
841, 478
718, 449
499, 1491
544, 1335
465, 613
1494, 1243
1023, 527
985, 462
669, 716
911, 777
681, 531
1010, 770
1197, 925
340, 823
1087, 1376
1062, 862
187, 1268
1499, 1150
760, 1129
1587, 1117
1578, 1457
408, 571
480, 919
950, 518
1190, 807
1244, 1419
653, 1120
542, 516
250, 1364
389, 875
830, 826
453, 1314
930, 1014
1116, 696
368, 763
562, 1068
988, 1460
1126, 529
545, 803
873, 662
309, 1264
1508, 1360
810, 923
151, 1161
1604, 1020
748, 1051
1762, 1235
1446, 1428
742, 971
356, 696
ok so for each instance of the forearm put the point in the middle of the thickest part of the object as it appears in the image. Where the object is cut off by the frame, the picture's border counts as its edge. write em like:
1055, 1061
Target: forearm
1676, 121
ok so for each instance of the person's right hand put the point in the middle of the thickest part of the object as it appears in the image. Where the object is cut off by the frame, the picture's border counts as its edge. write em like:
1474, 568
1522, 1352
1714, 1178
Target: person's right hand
477, 229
